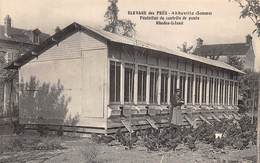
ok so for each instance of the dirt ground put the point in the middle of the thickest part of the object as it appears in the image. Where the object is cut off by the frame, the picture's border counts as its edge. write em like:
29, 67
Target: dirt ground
83, 150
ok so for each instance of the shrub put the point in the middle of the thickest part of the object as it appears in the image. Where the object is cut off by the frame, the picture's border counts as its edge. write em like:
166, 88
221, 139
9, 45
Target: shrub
10, 143
49, 143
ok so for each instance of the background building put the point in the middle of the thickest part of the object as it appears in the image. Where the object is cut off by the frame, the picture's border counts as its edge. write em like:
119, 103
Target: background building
13, 43
223, 52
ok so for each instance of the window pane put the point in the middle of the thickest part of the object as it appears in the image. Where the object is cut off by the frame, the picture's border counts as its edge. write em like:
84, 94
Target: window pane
153, 85
173, 83
190, 89
204, 89
226, 92
182, 84
197, 89
164, 85
216, 91
142, 73
211, 80
118, 82
231, 93
129, 83
114, 80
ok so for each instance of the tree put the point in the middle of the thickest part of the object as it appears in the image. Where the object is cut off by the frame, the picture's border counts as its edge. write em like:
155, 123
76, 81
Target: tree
185, 48
124, 27
248, 89
236, 62
251, 10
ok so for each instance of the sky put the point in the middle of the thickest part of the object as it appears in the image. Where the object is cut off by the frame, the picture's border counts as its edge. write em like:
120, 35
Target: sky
223, 26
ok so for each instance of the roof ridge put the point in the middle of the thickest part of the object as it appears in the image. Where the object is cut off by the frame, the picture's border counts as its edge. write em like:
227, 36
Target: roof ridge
226, 44
117, 39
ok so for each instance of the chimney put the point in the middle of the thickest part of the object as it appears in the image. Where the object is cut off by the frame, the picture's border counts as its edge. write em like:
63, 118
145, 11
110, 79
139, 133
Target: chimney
7, 26
249, 39
199, 42
57, 29
36, 36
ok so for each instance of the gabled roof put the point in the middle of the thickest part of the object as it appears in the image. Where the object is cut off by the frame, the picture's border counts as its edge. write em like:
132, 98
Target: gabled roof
107, 36
223, 49
21, 35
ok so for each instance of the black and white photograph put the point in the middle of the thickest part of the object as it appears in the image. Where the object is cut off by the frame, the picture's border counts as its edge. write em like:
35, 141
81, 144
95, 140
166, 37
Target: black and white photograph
129, 81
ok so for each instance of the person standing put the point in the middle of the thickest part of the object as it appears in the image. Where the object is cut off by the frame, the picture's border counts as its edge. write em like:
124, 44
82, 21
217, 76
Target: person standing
175, 116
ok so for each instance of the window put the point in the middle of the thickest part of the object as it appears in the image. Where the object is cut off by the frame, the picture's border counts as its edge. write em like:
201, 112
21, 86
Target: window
182, 85
129, 83
115, 68
221, 91
231, 93
204, 90
211, 82
197, 89
235, 93
164, 86
216, 91
153, 85
173, 83
141, 92
190, 89
226, 92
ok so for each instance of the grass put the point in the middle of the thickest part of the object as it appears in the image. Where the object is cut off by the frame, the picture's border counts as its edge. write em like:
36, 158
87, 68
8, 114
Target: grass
24, 143
89, 153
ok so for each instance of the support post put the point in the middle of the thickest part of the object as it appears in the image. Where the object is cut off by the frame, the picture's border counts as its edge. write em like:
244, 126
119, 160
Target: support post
159, 87
169, 88
218, 92
207, 91
233, 93
186, 90
224, 90
213, 91
178, 80
122, 83
193, 89
5, 98
200, 101
148, 85
228, 93
135, 82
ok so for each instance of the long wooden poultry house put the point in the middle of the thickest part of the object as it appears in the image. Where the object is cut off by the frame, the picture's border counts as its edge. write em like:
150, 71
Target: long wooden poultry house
109, 81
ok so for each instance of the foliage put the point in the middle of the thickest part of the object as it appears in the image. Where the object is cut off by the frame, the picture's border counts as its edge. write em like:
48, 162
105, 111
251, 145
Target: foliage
251, 10
10, 143
72, 121
49, 144
101, 138
185, 48
248, 88
236, 134
43, 103
236, 62
116, 25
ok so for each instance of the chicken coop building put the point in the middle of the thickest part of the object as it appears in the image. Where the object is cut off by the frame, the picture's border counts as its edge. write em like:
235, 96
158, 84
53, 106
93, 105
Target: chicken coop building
113, 81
